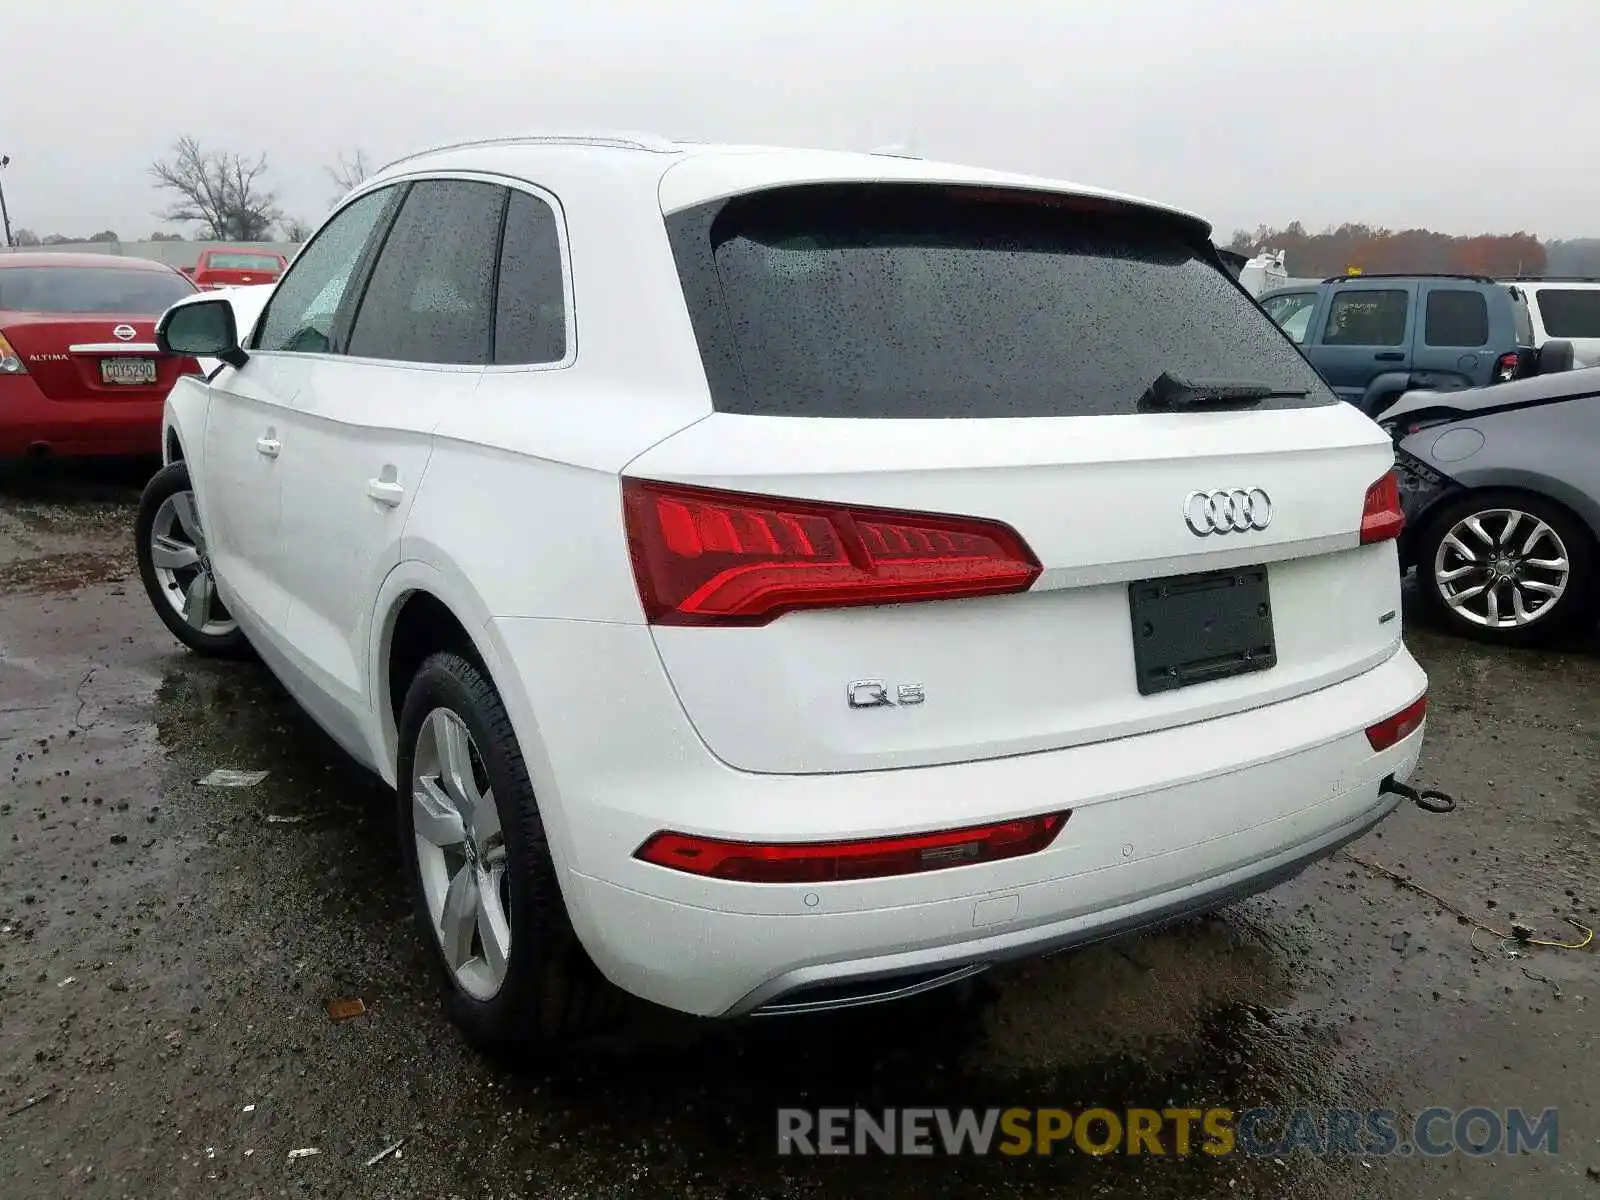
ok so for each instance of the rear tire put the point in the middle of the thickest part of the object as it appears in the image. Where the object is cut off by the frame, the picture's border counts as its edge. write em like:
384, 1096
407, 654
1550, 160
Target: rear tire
1544, 577
489, 907
175, 567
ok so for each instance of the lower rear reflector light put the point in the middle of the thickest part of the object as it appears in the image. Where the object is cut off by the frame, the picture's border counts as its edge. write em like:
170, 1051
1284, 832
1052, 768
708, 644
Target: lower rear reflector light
822, 862
1400, 726
704, 557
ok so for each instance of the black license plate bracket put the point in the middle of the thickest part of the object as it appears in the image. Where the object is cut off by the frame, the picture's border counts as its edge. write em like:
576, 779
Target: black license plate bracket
1190, 629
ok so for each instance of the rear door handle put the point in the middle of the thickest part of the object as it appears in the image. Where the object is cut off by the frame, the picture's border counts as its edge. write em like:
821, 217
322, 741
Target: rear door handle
1389, 356
386, 491
268, 446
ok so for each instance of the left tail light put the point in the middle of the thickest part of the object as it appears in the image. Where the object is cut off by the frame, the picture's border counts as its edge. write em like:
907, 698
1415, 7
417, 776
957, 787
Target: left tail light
704, 557
1382, 518
10, 361
1505, 367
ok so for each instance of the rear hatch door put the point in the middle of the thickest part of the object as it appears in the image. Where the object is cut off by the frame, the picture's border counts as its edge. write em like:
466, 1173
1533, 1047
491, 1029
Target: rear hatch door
897, 362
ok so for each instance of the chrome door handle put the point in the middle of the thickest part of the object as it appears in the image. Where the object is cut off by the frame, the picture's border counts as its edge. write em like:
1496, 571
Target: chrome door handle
268, 446
386, 491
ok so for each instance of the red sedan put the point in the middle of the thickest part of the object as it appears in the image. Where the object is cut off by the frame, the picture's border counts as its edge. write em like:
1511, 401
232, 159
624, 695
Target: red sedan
235, 268
80, 373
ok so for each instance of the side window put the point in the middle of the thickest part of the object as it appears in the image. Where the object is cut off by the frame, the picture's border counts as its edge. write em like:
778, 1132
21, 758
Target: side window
431, 295
299, 316
1292, 313
1367, 317
530, 317
1456, 317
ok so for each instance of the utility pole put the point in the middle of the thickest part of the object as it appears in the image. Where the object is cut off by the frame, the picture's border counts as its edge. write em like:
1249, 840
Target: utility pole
5, 161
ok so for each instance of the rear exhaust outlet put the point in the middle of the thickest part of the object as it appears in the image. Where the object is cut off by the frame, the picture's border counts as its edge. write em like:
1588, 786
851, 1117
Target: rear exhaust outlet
1428, 799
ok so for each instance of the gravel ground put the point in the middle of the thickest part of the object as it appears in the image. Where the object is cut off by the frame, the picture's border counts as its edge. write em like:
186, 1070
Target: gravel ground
167, 951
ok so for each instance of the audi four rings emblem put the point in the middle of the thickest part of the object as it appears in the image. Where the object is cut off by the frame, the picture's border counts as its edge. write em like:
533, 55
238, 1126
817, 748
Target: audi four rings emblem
1236, 511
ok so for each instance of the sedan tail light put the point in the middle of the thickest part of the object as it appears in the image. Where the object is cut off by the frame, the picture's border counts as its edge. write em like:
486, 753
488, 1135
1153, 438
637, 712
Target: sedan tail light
874, 858
10, 361
703, 557
1382, 517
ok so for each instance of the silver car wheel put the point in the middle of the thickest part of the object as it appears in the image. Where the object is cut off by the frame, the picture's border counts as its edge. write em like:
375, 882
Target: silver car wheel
461, 854
1501, 568
182, 564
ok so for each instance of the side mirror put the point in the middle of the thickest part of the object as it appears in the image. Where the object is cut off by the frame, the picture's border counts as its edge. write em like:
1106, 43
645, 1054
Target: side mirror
201, 329
1555, 355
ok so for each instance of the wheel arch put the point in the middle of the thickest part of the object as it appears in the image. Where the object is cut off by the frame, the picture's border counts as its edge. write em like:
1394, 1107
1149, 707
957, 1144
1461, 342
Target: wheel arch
439, 593
1583, 508
183, 420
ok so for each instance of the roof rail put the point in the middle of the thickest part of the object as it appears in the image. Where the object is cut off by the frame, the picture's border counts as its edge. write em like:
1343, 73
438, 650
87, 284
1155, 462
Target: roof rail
1551, 279
615, 141
1407, 275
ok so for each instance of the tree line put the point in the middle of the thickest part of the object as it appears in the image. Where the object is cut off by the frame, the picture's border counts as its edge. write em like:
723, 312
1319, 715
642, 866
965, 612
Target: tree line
1373, 250
222, 196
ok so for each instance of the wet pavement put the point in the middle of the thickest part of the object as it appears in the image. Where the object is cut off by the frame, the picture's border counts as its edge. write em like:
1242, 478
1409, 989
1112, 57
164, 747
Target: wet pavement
167, 950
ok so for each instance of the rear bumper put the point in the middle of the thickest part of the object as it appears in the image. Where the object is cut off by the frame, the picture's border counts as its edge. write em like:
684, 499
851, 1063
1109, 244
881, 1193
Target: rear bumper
1162, 823
895, 973
31, 422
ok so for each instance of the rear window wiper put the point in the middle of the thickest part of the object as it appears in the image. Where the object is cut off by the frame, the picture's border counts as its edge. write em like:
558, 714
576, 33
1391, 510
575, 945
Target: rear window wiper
1171, 393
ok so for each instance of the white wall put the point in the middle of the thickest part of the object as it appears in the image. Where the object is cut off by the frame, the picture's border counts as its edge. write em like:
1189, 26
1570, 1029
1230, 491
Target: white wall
174, 254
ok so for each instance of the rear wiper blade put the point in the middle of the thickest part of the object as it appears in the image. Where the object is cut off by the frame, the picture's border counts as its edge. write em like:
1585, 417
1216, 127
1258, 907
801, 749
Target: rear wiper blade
1171, 392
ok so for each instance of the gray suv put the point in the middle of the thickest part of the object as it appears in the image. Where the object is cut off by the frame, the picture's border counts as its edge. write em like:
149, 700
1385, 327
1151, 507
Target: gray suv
1374, 337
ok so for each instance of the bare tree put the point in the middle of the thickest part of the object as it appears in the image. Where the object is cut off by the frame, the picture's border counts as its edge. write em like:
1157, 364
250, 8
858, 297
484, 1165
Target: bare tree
349, 173
26, 237
219, 190
295, 230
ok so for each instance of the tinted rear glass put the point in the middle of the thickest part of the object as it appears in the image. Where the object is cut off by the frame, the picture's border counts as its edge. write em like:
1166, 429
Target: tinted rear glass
923, 301
243, 262
1570, 312
91, 290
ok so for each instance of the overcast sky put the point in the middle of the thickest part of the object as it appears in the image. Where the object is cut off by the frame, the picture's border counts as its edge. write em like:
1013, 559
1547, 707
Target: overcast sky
1462, 115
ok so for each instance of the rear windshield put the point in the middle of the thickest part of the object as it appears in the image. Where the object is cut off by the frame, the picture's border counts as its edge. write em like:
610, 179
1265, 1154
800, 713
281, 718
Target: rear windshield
916, 301
91, 290
243, 262
1570, 312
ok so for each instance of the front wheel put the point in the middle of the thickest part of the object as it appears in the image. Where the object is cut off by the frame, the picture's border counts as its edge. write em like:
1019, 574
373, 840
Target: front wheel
1508, 567
175, 567
487, 900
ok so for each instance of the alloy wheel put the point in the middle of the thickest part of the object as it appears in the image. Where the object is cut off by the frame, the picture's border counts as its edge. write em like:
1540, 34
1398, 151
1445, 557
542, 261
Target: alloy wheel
461, 854
1501, 568
182, 564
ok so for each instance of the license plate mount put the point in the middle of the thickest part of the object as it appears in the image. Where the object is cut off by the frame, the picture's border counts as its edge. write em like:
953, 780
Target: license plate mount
1190, 629
127, 372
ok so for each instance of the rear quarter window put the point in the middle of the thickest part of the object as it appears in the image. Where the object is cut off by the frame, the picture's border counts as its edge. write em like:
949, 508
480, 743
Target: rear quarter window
1570, 312
1456, 317
918, 301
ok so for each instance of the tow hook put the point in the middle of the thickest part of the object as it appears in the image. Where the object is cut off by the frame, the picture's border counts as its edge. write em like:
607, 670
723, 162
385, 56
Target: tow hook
1428, 799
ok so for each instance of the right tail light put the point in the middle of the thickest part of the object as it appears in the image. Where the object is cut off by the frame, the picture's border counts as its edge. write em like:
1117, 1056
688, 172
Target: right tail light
1382, 518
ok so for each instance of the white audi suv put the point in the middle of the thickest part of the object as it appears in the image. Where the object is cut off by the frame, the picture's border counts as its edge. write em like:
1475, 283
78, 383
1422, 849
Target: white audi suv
775, 579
